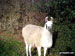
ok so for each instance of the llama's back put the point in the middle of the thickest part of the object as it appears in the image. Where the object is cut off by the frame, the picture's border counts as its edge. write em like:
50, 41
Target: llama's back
32, 34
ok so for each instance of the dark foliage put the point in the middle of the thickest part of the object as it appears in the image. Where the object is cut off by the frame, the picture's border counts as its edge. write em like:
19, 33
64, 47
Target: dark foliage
63, 12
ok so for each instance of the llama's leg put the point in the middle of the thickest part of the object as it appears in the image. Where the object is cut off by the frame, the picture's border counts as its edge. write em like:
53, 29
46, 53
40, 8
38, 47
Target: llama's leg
45, 50
30, 50
27, 49
39, 51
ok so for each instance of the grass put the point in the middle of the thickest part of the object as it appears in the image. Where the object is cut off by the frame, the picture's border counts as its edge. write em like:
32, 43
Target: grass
10, 46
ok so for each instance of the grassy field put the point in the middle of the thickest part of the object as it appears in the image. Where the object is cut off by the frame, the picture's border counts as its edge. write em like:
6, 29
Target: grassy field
12, 46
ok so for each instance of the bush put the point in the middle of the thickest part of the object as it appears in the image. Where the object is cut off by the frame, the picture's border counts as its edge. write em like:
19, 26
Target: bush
11, 47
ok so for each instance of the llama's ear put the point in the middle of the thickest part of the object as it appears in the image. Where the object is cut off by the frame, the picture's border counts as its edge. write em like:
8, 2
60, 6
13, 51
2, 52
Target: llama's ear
51, 18
46, 19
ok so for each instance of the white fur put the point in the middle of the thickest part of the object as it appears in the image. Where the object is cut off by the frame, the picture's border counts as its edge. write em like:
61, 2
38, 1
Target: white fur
37, 36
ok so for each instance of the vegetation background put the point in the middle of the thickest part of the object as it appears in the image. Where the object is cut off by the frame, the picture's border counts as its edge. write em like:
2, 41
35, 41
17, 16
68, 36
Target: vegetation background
15, 14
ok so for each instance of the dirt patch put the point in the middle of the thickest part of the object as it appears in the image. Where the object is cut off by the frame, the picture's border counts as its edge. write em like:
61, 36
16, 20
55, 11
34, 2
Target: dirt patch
11, 35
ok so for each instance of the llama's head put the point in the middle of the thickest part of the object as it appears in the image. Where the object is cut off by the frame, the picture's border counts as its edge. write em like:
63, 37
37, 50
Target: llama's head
49, 23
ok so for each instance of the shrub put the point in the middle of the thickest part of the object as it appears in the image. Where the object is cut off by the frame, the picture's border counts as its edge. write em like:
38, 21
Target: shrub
11, 47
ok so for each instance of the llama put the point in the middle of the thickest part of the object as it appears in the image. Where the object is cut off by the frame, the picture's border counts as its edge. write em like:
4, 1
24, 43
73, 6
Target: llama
38, 36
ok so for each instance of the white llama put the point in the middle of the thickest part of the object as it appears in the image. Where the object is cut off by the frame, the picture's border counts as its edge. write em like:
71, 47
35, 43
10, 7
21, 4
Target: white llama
38, 36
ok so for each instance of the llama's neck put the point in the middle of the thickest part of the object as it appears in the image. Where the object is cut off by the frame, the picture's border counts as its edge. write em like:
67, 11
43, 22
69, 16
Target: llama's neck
45, 27
46, 39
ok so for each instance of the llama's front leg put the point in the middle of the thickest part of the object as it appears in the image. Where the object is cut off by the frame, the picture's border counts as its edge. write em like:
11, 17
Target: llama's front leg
45, 50
39, 51
30, 50
27, 49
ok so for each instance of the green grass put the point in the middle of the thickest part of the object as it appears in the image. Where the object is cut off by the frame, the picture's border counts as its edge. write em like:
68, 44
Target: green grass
11, 47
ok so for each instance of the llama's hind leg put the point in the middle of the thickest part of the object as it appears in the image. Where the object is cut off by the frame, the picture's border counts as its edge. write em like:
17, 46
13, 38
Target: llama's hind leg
26, 49
39, 51
30, 50
45, 50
